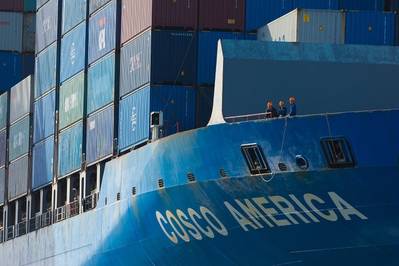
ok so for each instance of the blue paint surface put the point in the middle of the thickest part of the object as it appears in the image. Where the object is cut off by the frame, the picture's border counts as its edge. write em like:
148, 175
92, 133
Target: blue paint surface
70, 149
44, 117
73, 12
42, 163
45, 70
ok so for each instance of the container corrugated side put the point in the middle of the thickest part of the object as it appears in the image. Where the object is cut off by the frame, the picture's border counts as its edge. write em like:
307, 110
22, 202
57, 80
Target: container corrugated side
71, 100
96, 4
45, 70
177, 104
11, 31
20, 99
377, 5
29, 5
137, 16
44, 117
204, 104
207, 49
100, 135
306, 25
312, 4
46, 25
3, 147
370, 27
101, 83
135, 69
42, 163
12, 5
73, 52
29, 32
18, 141
70, 150
102, 32
3, 110
2, 184
221, 15
73, 12
18, 175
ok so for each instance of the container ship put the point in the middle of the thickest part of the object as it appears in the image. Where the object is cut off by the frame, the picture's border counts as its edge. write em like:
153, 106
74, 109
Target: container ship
136, 132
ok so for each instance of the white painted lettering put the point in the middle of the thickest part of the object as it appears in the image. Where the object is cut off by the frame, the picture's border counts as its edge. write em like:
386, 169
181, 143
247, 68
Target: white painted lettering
172, 221
216, 224
192, 230
329, 215
288, 210
161, 220
242, 221
194, 216
304, 209
345, 208
253, 213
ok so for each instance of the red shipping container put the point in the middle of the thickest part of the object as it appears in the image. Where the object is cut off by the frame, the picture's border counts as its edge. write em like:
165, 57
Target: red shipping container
12, 5
222, 15
139, 15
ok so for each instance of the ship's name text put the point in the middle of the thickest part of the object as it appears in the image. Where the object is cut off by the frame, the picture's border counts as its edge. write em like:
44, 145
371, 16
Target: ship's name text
254, 214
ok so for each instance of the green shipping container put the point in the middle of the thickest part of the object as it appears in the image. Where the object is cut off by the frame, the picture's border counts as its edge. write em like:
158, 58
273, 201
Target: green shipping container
71, 100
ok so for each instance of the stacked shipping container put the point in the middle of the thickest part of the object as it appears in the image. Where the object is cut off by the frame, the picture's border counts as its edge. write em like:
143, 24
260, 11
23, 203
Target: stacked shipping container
17, 44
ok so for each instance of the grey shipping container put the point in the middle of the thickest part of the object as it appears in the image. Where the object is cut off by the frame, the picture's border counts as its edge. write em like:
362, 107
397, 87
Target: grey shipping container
96, 4
18, 141
46, 25
306, 25
101, 83
11, 26
158, 57
18, 175
45, 70
2, 184
29, 32
44, 117
3, 147
140, 15
42, 163
71, 100
102, 32
3, 110
20, 99
100, 135
40, 3
73, 52
70, 149
177, 104
73, 12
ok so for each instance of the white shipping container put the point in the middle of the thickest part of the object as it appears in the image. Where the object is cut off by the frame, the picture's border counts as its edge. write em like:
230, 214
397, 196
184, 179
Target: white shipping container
306, 25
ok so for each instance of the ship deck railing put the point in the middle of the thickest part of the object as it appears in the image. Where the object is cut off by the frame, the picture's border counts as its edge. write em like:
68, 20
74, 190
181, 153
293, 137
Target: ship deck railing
50, 217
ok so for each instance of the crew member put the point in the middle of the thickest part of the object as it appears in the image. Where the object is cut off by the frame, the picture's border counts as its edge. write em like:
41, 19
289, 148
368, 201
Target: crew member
292, 107
282, 111
271, 112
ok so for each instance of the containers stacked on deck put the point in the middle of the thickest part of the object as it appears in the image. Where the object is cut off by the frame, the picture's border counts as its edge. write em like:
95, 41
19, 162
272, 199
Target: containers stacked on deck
17, 42
332, 26
44, 106
101, 79
19, 138
157, 68
3, 143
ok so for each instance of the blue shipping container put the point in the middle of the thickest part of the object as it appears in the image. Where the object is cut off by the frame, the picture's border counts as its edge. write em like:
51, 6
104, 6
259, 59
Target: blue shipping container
18, 141
73, 12
102, 32
20, 99
370, 27
207, 50
312, 4
18, 174
177, 104
101, 83
42, 164
73, 52
45, 74
70, 150
13, 68
96, 4
46, 25
3, 147
377, 5
44, 117
261, 12
158, 57
2, 184
3, 110
100, 135
29, 5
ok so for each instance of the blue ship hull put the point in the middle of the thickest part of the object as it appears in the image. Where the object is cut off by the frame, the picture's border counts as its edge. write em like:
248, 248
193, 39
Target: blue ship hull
318, 216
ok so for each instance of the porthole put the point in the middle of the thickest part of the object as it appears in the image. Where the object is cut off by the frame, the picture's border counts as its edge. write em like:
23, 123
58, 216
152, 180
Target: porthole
283, 167
301, 162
